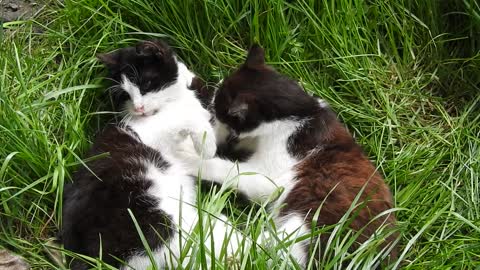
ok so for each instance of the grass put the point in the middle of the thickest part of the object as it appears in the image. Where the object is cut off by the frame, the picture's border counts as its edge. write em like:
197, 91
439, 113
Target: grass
404, 76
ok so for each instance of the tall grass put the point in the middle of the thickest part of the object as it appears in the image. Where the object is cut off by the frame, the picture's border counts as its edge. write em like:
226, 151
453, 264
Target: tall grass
403, 75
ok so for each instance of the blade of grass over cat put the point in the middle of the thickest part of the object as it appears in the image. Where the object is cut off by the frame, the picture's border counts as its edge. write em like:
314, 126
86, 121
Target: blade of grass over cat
148, 250
69, 89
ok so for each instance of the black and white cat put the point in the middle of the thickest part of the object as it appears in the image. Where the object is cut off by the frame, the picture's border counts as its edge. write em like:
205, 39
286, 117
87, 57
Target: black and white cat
296, 143
140, 172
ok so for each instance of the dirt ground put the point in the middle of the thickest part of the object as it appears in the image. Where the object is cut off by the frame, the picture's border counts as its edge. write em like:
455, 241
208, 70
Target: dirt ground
12, 10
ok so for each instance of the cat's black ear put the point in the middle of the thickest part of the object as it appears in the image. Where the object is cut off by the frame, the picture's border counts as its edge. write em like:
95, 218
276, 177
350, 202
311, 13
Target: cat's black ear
110, 59
152, 48
238, 109
255, 57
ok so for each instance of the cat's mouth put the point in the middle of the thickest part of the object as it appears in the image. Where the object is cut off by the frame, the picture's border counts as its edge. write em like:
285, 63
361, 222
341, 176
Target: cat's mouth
145, 114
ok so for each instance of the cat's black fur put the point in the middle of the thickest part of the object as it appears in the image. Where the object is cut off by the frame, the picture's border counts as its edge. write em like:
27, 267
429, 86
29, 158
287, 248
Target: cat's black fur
229, 150
95, 211
203, 92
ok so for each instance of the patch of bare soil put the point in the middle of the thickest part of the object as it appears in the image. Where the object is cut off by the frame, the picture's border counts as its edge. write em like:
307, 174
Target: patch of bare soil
13, 10
9, 261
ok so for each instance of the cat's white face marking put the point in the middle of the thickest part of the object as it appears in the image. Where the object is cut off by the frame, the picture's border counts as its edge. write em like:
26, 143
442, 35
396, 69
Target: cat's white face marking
152, 102
185, 74
135, 105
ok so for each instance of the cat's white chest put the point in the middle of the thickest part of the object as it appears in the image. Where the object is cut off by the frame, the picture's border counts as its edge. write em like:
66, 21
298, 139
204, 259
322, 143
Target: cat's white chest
168, 127
272, 157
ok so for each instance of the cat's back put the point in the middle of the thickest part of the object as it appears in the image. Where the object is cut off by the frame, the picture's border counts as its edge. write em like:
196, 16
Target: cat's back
95, 204
335, 173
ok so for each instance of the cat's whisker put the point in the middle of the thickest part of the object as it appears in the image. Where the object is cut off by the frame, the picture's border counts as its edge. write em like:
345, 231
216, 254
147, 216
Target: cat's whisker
135, 76
113, 81
127, 117
114, 89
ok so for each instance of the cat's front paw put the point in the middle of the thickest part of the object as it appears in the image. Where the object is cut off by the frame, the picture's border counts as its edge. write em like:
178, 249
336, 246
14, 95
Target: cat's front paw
206, 146
191, 161
209, 150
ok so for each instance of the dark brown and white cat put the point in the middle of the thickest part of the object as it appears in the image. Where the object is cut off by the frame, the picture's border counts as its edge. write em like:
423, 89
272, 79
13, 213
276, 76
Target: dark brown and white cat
140, 172
297, 144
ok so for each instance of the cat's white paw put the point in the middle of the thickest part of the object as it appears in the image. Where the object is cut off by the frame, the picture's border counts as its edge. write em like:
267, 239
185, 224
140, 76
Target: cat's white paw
209, 149
205, 146
190, 160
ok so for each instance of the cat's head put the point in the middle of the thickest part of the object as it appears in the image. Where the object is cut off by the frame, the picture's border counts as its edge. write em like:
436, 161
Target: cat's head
255, 93
146, 76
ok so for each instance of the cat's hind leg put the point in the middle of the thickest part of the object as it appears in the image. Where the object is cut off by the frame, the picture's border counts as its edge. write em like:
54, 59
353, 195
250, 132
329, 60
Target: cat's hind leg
290, 228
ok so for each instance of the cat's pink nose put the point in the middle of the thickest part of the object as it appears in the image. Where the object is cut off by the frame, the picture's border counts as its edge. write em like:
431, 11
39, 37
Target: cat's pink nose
140, 109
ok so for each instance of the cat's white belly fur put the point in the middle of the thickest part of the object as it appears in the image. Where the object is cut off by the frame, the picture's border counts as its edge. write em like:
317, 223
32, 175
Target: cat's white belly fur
173, 128
177, 195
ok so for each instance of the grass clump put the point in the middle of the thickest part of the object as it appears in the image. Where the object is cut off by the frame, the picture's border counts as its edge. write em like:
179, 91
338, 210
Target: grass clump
403, 75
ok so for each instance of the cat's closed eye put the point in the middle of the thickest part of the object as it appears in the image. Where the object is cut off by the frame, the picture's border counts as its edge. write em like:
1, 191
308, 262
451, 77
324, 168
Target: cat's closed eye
148, 84
145, 87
